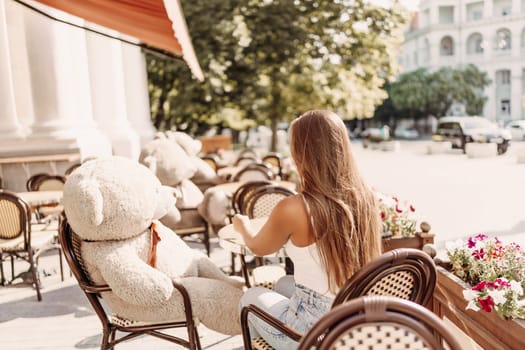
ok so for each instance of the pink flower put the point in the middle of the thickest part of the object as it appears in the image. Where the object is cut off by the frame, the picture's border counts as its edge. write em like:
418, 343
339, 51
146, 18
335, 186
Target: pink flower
480, 286
486, 304
412, 209
478, 254
383, 215
399, 211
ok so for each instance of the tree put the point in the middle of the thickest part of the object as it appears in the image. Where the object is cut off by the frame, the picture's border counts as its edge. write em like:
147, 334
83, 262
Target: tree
423, 93
269, 60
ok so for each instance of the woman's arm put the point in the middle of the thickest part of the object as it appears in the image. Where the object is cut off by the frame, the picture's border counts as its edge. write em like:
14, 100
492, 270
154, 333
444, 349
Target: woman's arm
275, 232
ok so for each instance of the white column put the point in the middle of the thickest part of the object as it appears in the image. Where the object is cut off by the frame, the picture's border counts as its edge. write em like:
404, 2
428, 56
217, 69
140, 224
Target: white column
515, 93
19, 64
488, 9
109, 94
9, 126
92, 142
516, 7
51, 68
137, 97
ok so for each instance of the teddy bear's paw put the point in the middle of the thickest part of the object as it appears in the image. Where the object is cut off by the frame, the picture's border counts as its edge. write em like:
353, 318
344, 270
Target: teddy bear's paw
236, 281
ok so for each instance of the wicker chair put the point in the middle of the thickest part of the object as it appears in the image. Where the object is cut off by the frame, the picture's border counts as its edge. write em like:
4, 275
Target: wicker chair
274, 161
258, 203
254, 172
379, 322
212, 161
261, 201
18, 241
71, 244
47, 182
405, 273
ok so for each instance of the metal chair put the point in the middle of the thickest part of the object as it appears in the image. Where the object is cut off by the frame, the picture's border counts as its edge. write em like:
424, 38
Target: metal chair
18, 241
71, 244
404, 273
379, 322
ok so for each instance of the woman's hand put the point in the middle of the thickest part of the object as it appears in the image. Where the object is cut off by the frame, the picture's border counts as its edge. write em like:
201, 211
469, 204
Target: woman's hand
241, 223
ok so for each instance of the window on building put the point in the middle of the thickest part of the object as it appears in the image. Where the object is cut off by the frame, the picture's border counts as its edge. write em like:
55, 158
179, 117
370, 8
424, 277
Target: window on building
503, 40
446, 47
475, 11
475, 44
446, 14
503, 77
502, 7
523, 39
415, 58
505, 107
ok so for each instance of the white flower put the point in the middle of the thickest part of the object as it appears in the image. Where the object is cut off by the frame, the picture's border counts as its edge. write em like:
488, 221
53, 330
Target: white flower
470, 294
453, 245
515, 286
472, 306
498, 296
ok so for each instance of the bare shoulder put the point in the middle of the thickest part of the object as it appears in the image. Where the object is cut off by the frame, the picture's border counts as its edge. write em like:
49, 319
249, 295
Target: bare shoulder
291, 215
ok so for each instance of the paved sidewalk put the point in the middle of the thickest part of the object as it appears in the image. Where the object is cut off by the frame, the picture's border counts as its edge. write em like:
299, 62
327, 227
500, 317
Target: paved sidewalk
64, 320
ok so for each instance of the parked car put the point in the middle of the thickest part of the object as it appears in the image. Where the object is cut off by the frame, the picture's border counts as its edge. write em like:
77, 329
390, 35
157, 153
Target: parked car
517, 129
462, 130
403, 133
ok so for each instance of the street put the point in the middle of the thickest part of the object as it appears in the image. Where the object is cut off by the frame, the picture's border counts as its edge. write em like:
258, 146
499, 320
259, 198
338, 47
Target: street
458, 196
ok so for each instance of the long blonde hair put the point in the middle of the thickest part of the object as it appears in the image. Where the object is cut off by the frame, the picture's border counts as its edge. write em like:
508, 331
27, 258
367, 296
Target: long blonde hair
346, 220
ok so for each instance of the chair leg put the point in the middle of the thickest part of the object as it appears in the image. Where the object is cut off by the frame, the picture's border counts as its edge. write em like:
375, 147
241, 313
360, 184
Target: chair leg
232, 264
34, 271
2, 276
112, 335
105, 339
207, 239
61, 264
244, 269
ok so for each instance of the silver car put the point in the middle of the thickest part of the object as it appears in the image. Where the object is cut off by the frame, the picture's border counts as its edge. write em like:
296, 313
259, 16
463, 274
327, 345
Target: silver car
517, 129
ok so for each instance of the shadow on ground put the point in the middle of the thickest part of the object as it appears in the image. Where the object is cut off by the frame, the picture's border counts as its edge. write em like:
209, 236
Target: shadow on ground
61, 301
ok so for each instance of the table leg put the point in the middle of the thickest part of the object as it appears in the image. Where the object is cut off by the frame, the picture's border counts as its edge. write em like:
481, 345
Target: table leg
244, 270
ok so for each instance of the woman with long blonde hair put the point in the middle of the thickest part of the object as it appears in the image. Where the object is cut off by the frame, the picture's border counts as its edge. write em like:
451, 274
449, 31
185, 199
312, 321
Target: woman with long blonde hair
329, 230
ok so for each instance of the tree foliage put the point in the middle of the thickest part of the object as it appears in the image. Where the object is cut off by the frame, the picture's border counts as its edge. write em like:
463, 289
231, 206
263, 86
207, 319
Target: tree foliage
269, 60
423, 92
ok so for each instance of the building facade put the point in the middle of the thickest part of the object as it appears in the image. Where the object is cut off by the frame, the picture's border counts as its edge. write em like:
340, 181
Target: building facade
487, 33
64, 90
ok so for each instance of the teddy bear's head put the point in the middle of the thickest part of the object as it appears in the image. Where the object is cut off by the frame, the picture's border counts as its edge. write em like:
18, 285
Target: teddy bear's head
114, 198
168, 160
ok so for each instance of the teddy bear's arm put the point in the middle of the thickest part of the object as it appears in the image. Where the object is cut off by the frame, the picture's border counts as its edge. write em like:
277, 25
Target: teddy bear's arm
131, 279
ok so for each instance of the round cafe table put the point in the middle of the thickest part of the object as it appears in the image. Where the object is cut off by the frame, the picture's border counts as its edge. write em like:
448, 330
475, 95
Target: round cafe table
231, 240
38, 198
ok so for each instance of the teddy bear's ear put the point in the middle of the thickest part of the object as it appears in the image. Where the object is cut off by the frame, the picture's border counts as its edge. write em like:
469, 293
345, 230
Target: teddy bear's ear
151, 163
92, 201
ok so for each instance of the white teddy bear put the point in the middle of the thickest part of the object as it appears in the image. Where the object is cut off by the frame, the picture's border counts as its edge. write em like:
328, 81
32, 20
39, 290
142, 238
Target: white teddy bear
112, 204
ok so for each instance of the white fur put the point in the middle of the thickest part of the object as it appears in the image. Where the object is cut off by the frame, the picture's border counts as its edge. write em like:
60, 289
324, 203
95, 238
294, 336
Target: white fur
111, 204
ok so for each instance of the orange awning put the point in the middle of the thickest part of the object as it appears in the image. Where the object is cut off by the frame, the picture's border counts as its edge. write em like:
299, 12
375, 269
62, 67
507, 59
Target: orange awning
158, 23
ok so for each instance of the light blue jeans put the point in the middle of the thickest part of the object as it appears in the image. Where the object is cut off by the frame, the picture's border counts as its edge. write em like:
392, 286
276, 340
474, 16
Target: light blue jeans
299, 311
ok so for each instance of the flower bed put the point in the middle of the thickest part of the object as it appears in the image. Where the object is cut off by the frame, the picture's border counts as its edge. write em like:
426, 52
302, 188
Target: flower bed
400, 229
481, 291
486, 329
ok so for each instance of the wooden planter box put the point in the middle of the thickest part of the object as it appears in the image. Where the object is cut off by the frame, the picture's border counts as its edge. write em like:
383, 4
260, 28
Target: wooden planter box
418, 241
485, 328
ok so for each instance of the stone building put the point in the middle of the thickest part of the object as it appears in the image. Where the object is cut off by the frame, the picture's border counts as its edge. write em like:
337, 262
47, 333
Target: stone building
487, 33
67, 93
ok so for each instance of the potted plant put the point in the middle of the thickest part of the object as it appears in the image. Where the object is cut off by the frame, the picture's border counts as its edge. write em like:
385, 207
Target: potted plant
400, 224
481, 290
